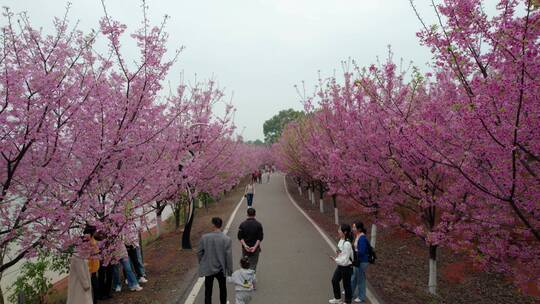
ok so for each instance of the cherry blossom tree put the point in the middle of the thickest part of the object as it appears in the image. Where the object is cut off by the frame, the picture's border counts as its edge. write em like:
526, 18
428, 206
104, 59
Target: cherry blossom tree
88, 138
486, 71
450, 156
46, 81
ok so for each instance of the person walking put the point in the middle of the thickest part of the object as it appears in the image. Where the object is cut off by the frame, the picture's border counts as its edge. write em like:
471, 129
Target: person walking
249, 193
268, 175
344, 269
79, 282
359, 272
215, 260
250, 235
259, 176
244, 282
254, 176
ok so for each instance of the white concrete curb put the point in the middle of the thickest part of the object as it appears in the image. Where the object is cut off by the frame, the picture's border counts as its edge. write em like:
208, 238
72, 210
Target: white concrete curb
198, 285
330, 243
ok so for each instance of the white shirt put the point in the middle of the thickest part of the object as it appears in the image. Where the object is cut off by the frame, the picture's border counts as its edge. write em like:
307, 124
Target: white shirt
356, 242
345, 256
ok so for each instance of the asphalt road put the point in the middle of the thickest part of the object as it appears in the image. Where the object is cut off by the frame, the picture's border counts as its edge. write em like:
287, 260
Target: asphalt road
294, 266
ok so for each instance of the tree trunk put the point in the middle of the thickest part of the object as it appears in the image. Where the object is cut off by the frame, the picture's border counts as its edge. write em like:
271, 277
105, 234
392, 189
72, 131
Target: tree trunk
313, 195
1, 293
300, 190
373, 239
177, 216
141, 246
158, 222
432, 282
2, 275
336, 212
321, 198
186, 235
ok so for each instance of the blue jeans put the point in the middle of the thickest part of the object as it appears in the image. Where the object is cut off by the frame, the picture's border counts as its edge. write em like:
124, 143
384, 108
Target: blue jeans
249, 198
358, 281
130, 276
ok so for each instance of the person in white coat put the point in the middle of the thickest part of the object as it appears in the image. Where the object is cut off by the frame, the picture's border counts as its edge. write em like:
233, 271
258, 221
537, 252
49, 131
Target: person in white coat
344, 270
79, 283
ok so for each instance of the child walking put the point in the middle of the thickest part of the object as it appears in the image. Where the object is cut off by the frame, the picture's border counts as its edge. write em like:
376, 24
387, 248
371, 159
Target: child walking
244, 282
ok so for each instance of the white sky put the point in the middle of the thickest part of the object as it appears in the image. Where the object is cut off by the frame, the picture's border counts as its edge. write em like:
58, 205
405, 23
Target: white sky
259, 49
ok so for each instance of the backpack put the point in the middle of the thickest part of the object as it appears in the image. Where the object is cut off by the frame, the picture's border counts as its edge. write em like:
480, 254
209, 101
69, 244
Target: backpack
372, 257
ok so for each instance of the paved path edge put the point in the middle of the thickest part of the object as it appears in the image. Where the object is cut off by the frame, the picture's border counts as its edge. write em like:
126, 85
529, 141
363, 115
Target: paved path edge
372, 297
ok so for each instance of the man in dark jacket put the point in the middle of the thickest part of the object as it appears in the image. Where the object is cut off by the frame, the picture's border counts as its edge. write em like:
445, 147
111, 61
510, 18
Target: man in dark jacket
215, 261
250, 235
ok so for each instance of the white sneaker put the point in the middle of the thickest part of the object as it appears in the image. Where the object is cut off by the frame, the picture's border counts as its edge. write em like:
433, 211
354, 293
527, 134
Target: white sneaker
357, 300
335, 301
136, 288
143, 280
118, 289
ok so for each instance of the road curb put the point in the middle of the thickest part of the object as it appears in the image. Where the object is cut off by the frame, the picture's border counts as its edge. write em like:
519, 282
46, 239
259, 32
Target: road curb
372, 297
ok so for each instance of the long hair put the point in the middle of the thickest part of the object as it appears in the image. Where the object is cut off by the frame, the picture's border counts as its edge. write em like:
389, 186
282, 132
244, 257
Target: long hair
346, 229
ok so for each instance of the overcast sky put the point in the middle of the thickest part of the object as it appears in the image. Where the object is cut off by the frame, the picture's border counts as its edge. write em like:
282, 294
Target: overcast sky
259, 49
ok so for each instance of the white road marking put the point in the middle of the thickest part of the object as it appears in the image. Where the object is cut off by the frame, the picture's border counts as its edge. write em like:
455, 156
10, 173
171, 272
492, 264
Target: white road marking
330, 243
198, 285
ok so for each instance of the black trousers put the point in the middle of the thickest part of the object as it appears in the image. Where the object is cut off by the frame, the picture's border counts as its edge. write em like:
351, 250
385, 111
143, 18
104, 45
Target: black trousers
105, 278
94, 281
343, 273
253, 257
209, 284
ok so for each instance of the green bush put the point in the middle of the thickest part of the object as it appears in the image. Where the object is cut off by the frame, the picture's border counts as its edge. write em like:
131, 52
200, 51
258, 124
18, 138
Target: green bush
32, 282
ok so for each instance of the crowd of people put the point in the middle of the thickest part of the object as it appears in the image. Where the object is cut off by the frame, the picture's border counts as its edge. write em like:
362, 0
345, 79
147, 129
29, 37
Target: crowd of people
215, 259
257, 175
92, 279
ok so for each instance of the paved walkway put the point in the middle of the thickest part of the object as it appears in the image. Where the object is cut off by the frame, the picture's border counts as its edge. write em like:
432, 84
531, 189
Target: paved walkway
294, 266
